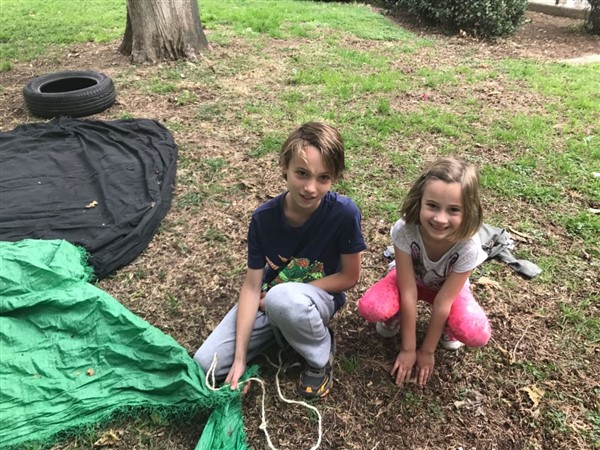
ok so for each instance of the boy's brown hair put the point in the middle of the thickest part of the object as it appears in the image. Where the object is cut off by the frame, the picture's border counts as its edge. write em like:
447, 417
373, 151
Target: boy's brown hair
449, 170
326, 139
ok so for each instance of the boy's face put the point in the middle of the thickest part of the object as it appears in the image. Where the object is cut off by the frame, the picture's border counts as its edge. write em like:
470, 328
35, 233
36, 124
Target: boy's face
308, 180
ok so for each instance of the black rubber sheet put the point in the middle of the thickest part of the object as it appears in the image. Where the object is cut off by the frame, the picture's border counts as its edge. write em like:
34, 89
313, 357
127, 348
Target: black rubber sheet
101, 185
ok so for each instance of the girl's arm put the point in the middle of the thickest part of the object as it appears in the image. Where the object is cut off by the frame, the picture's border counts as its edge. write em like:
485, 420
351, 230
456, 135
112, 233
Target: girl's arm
246, 316
343, 280
441, 309
405, 280
439, 315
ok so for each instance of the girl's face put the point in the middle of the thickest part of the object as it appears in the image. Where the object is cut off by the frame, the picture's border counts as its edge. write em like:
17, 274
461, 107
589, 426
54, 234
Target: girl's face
441, 210
308, 181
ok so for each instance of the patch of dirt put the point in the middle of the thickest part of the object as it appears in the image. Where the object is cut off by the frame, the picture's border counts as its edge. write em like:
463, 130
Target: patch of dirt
189, 275
542, 37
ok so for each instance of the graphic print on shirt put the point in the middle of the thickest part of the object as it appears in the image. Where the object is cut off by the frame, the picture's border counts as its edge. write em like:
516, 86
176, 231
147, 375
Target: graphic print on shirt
274, 266
417, 260
300, 270
434, 280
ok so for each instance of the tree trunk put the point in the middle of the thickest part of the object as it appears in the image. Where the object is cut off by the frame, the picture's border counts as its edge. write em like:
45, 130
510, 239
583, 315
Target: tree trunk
593, 20
159, 30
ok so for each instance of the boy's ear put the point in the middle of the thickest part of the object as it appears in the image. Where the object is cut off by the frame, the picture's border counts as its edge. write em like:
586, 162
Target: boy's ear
284, 173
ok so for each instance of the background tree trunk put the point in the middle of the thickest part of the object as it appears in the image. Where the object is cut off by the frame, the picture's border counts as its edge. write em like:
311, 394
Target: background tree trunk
593, 20
163, 30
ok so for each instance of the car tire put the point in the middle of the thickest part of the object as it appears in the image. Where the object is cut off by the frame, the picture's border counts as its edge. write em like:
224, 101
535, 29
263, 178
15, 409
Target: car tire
69, 93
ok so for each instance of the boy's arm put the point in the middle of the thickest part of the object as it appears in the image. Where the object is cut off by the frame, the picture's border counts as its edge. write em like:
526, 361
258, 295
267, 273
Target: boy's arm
343, 280
441, 309
246, 316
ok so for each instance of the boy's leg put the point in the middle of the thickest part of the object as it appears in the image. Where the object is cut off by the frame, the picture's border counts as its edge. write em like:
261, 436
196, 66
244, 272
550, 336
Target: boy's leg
467, 321
222, 342
301, 313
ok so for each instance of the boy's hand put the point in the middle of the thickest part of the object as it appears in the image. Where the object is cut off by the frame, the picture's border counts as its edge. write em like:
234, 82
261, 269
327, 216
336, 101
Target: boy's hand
236, 371
403, 365
425, 363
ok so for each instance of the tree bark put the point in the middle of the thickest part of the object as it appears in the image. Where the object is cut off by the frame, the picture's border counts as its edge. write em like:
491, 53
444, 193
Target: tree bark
158, 30
593, 20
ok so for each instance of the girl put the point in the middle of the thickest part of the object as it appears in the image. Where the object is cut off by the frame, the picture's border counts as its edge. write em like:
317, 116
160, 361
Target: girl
436, 246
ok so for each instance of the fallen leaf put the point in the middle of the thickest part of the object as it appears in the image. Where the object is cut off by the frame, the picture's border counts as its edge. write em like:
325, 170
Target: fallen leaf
93, 204
108, 438
535, 394
485, 281
503, 351
518, 233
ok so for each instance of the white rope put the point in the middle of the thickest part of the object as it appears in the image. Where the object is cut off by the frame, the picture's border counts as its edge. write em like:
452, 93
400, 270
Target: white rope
211, 383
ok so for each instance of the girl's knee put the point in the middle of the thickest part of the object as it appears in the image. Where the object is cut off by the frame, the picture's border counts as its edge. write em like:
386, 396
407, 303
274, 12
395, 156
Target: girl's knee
381, 301
471, 330
477, 338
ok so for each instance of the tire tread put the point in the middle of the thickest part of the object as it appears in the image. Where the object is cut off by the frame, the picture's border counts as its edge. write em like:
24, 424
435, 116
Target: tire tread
76, 103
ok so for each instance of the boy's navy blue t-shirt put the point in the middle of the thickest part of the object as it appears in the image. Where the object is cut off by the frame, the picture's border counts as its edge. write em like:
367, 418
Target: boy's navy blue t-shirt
316, 246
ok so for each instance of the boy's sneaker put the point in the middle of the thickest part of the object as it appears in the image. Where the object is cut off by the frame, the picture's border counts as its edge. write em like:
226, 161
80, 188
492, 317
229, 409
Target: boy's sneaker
317, 382
449, 342
390, 327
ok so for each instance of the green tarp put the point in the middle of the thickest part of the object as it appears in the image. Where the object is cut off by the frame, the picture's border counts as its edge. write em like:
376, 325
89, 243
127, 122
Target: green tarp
72, 356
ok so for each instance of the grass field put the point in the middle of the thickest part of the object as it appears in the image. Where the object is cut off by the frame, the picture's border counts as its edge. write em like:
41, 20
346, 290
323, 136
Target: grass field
400, 99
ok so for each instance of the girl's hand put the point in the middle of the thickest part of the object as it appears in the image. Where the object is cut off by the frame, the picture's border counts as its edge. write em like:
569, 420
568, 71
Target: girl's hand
425, 363
236, 371
403, 365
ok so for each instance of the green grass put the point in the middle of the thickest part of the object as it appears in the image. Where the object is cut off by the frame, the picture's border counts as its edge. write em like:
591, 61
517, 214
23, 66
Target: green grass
577, 319
28, 28
285, 18
350, 364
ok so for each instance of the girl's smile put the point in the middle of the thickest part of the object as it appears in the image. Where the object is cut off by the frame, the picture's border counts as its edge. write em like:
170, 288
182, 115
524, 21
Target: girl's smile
441, 211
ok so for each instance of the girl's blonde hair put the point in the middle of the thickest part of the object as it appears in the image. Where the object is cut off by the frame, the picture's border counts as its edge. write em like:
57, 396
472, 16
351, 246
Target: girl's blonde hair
449, 170
326, 139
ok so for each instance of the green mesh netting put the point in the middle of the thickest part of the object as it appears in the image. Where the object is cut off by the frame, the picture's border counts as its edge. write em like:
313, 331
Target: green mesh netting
72, 356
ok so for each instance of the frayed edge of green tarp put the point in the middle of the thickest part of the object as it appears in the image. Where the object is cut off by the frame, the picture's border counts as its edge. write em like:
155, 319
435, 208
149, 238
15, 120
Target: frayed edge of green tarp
72, 356
157, 414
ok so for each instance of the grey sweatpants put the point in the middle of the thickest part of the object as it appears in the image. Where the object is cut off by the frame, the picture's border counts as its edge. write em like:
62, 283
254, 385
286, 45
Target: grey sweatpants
296, 313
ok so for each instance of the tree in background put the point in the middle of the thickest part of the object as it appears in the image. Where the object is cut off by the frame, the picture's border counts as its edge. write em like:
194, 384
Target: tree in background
593, 19
163, 30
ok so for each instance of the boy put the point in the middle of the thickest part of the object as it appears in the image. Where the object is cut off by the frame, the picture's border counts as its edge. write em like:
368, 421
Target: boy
303, 253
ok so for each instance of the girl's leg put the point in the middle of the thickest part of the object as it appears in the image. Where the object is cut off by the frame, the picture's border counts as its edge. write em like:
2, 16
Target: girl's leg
381, 301
467, 320
222, 342
301, 312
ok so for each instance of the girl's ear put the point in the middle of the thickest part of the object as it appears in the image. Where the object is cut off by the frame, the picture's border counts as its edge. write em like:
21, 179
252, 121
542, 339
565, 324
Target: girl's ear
284, 173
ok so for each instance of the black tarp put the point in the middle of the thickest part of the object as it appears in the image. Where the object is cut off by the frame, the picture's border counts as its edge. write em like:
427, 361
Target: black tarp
105, 186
